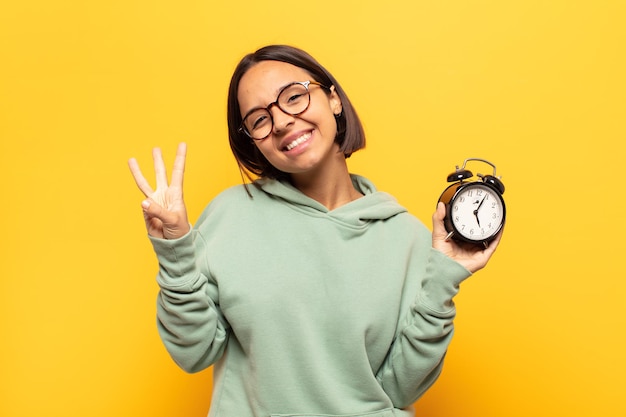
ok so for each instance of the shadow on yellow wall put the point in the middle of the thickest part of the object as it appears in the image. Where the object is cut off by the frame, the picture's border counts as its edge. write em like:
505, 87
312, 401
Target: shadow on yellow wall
536, 87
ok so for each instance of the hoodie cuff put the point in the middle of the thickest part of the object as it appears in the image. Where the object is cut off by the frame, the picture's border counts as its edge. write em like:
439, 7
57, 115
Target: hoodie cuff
176, 256
441, 283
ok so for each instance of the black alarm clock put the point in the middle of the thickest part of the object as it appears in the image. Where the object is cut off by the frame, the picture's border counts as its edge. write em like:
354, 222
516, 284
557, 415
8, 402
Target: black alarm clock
475, 210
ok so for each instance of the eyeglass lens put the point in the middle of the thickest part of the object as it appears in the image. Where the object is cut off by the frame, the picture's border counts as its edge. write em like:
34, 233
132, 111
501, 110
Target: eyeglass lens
293, 100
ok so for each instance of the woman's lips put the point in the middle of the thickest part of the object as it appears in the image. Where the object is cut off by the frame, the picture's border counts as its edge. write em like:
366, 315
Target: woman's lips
298, 141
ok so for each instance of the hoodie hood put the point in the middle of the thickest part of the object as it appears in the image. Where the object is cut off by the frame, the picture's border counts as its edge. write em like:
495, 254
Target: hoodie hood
374, 205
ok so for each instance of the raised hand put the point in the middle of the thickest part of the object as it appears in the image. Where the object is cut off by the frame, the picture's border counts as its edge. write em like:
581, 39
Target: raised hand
472, 257
164, 209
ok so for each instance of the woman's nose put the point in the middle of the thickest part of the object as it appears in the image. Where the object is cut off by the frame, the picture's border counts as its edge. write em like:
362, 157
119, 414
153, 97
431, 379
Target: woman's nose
281, 119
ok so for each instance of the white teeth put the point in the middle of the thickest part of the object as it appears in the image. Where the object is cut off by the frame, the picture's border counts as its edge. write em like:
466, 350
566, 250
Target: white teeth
298, 141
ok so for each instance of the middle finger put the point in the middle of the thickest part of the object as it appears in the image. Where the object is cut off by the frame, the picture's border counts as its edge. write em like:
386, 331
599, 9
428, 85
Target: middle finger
159, 168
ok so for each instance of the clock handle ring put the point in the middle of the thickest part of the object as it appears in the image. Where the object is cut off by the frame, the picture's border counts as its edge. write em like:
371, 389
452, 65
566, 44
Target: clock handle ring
480, 160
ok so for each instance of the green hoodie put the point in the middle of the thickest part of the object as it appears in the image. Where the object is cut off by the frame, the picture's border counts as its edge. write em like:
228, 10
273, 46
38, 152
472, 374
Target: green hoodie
306, 311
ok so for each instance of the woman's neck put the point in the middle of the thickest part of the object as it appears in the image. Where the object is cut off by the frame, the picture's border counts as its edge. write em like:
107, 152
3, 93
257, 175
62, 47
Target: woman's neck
330, 187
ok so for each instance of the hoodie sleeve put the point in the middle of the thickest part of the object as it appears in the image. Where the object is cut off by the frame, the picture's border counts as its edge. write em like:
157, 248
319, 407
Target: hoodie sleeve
189, 319
415, 358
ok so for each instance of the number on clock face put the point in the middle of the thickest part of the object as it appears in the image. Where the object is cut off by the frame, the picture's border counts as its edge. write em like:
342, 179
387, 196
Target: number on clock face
477, 212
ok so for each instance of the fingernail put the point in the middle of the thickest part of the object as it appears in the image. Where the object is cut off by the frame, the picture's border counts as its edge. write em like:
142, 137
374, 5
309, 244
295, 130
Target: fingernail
145, 204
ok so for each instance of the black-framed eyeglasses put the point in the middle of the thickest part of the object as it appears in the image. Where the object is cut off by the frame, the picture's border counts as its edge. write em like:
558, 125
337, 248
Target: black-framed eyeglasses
293, 99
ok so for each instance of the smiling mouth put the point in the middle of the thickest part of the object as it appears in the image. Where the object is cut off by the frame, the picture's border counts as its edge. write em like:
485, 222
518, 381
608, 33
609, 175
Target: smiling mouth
298, 141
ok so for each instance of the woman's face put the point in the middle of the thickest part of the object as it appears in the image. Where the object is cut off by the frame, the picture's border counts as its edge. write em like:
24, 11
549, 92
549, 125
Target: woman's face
298, 145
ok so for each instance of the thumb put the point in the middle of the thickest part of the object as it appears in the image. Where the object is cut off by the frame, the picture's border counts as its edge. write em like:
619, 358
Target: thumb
153, 210
170, 225
438, 216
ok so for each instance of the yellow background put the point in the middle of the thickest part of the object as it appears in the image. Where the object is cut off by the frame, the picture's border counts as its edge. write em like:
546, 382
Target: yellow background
535, 86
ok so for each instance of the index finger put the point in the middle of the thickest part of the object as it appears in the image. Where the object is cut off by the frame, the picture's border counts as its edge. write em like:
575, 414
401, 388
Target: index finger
140, 180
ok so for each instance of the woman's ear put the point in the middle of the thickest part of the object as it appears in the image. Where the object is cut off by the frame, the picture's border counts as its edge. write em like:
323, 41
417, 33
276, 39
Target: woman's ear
335, 101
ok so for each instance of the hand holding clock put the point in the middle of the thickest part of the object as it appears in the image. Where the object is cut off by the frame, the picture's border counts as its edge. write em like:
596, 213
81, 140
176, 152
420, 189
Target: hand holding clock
472, 257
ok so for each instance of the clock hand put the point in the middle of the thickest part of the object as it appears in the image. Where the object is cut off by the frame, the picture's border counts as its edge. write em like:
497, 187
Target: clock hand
481, 203
477, 208
477, 219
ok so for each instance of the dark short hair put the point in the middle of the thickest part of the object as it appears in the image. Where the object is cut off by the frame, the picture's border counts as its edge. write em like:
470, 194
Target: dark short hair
350, 134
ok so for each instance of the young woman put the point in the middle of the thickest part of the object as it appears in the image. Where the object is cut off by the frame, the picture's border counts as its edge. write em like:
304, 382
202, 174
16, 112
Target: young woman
311, 292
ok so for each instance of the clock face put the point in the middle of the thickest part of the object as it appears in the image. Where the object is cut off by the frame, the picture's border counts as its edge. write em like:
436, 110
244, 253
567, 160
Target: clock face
477, 212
